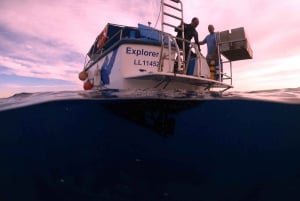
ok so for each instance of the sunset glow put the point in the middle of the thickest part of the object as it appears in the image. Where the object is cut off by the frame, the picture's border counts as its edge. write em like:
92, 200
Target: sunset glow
44, 43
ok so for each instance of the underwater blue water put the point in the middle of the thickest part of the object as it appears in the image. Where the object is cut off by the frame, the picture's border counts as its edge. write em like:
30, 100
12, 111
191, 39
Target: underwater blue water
150, 145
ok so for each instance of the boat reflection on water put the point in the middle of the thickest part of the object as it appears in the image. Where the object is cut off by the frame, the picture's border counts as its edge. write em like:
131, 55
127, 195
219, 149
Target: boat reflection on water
155, 114
152, 109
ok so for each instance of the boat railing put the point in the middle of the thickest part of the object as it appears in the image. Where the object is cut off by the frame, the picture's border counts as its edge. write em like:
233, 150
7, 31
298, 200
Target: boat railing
221, 74
170, 51
96, 56
181, 63
117, 36
170, 42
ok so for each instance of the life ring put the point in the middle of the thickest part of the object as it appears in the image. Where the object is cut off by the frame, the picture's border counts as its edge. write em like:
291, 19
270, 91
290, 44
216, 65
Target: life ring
102, 38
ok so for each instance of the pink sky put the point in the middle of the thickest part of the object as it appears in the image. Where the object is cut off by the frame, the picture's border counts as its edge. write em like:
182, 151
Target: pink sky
43, 43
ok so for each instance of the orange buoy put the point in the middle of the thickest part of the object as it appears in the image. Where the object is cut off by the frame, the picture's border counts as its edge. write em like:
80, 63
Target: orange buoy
83, 75
87, 85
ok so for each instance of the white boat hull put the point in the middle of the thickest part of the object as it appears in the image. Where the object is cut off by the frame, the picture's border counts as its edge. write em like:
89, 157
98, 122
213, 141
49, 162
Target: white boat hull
136, 66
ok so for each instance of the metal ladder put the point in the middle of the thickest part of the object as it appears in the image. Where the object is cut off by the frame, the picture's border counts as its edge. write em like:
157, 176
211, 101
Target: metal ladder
167, 7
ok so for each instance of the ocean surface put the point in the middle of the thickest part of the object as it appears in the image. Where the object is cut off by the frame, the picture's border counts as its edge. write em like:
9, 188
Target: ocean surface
150, 145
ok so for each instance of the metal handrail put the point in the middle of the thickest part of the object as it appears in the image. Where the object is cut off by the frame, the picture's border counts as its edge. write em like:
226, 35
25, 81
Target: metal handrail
101, 51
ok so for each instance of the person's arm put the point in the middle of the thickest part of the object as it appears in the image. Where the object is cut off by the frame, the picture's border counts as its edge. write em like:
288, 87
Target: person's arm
178, 28
203, 41
197, 40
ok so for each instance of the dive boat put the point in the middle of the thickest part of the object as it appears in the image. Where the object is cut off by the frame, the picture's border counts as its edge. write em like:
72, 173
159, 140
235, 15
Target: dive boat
143, 57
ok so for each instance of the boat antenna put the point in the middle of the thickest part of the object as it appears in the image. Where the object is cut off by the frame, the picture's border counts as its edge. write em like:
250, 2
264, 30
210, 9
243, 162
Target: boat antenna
158, 16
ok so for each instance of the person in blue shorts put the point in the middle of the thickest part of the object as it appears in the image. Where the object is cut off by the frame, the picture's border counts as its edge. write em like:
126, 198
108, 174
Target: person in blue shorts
211, 40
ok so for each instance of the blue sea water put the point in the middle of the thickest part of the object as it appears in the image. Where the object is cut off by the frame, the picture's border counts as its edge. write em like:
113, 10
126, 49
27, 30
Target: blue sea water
150, 145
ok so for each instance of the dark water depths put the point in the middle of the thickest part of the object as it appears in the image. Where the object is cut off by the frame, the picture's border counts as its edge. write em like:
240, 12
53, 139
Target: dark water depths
146, 145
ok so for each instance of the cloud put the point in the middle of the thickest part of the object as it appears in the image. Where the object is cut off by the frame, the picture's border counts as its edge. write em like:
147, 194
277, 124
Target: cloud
267, 74
27, 55
273, 31
272, 28
49, 39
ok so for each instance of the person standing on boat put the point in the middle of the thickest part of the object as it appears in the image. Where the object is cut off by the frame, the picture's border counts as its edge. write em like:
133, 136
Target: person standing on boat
189, 33
212, 56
